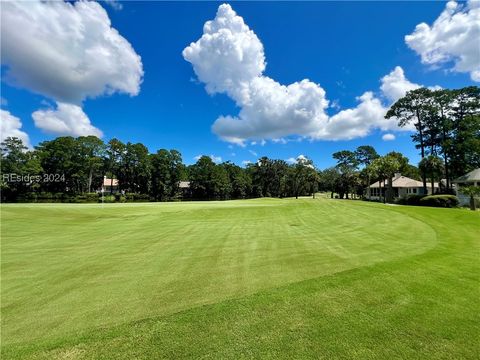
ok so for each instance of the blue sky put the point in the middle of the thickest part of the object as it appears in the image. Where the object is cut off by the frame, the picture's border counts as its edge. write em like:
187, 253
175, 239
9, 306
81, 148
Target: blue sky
344, 47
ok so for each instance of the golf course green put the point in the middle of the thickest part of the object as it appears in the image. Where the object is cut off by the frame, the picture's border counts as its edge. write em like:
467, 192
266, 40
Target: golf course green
263, 278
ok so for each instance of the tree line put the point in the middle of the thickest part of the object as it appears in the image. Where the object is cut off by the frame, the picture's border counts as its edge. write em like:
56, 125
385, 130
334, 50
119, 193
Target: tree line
447, 134
82, 163
356, 170
447, 129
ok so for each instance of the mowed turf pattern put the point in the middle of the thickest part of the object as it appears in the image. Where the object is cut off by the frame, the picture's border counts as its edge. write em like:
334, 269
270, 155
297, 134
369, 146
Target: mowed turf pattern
263, 278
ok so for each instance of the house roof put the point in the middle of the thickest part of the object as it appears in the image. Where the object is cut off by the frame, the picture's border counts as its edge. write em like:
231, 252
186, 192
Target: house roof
472, 176
184, 184
108, 182
403, 182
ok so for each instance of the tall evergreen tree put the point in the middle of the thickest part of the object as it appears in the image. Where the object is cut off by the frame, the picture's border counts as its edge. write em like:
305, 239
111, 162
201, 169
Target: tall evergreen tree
414, 108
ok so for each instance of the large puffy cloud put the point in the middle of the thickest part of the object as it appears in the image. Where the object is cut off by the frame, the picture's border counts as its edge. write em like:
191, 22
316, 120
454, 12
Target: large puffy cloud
67, 52
10, 127
358, 121
370, 112
453, 37
274, 110
228, 55
395, 85
229, 58
66, 119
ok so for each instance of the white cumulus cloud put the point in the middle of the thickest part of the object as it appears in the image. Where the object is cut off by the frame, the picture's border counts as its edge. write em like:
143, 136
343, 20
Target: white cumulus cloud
114, 4
67, 51
452, 38
358, 121
66, 119
229, 58
10, 127
395, 85
388, 137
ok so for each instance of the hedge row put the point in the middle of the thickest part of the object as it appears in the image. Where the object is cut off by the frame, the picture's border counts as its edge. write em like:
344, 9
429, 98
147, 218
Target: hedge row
84, 198
411, 199
446, 201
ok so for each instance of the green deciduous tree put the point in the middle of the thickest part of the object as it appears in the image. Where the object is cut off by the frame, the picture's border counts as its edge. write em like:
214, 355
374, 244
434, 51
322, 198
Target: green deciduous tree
201, 175
115, 150
347, 164
91, 151
134, 169
62, 156
302, 176
240, 181
220, 182
329, 179
167, 170
15, 159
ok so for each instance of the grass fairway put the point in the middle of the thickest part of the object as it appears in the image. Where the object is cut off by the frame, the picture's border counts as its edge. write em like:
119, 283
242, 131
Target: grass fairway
260, 278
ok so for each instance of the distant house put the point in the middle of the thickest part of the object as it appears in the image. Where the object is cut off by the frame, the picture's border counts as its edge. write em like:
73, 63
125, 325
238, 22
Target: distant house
110, 185
184, 184
184, 187
401, 185
472, 178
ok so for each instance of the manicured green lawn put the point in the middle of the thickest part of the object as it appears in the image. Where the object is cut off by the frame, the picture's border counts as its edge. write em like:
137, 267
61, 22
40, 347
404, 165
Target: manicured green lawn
260, 278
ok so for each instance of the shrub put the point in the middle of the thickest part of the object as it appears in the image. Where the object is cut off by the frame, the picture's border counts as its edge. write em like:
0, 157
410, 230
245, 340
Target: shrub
69, 199
80, 199
120, 198
411, 199
446, 201
92, 197
27, 197
108, 199
47, 197
84, 198
137, 197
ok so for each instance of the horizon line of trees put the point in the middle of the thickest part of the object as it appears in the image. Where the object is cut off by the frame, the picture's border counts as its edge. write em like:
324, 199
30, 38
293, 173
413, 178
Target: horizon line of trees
80, 165
447, 133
